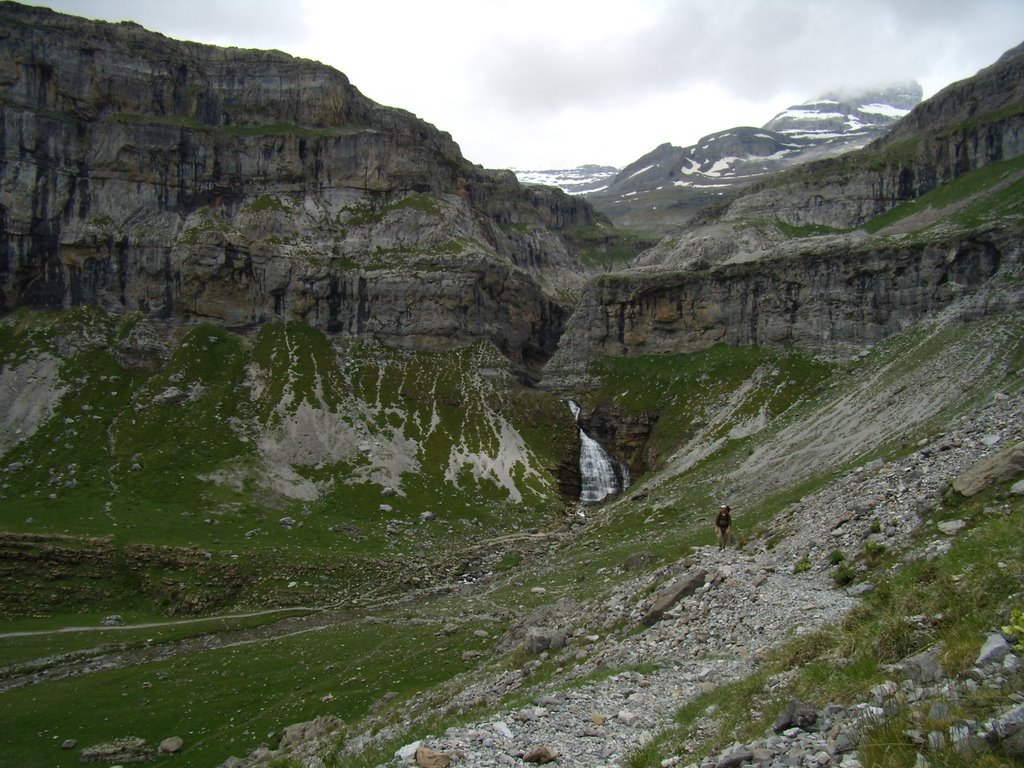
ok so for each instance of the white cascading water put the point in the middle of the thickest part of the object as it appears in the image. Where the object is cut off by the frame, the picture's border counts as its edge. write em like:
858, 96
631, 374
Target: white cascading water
596, 470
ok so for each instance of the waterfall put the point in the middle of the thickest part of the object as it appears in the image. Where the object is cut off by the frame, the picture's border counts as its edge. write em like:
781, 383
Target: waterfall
597, 471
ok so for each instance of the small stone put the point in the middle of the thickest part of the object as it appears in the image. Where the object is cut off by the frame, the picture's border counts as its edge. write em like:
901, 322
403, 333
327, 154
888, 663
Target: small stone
171, 745
540, 755
431, 758
628, 718
69, 744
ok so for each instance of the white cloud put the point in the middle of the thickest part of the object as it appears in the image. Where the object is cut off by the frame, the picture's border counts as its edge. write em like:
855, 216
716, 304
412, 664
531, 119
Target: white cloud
532, 83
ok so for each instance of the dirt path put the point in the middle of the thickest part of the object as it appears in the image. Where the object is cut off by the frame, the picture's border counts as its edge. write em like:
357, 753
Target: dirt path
156, 624
118, 656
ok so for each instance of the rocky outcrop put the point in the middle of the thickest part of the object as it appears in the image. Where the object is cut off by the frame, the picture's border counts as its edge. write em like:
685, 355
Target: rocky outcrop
831, 295
188, 181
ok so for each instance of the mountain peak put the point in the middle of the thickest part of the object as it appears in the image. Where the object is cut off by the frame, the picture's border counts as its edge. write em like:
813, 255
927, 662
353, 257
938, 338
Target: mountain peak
669, 184
843, 114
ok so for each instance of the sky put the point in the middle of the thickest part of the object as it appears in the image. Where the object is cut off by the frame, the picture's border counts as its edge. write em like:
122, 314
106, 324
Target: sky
553, 84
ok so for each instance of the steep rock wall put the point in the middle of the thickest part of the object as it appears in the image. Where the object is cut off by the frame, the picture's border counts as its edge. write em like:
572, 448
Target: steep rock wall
183, 180
828, 295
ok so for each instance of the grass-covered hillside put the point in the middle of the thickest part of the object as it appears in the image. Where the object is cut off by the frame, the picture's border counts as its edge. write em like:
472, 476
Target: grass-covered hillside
255, 461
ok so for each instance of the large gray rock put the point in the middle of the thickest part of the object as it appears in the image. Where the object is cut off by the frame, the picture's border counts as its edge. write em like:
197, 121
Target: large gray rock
311, 730
129, 749
171, 745
681, 587
797, 714
925, 667
1002, 467
1008, 729
993, 650
540, 639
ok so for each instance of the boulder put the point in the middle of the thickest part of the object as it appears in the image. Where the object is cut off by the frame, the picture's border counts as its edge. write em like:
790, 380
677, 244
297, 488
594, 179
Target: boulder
170, 396
797, 714
628, 718
431, 758
540, 639
735, 757
407, 753
949, 527
925, 668
171, 745
1001, 467
130, 749
993, 651
540, 755
1009, 730
310, 730
681, 587
638, 561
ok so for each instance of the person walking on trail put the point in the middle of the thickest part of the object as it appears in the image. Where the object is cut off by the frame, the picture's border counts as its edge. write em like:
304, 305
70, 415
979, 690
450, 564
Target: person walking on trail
723, 522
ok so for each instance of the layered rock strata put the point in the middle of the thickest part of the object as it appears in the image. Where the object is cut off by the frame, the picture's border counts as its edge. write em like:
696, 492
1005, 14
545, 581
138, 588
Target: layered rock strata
828, 295
187, 181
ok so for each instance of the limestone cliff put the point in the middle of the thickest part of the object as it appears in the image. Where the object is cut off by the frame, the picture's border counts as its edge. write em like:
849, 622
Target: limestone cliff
830, 295
189, 181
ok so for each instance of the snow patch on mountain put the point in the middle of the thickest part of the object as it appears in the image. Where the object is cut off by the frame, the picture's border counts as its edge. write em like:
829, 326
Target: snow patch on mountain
582, 180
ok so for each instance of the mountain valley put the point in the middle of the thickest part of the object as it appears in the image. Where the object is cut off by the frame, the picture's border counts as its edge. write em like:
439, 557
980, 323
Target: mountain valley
289, 473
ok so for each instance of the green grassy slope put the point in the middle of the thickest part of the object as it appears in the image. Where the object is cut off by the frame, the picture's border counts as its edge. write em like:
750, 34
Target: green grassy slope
190, 465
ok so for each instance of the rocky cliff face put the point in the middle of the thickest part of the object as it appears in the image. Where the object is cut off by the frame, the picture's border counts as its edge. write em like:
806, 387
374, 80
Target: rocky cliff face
183, 180
830, 295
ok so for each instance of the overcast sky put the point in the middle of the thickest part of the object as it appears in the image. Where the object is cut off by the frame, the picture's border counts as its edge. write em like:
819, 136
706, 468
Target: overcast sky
542, 84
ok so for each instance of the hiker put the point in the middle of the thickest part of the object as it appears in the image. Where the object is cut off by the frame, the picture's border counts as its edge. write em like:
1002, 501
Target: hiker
723, 522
